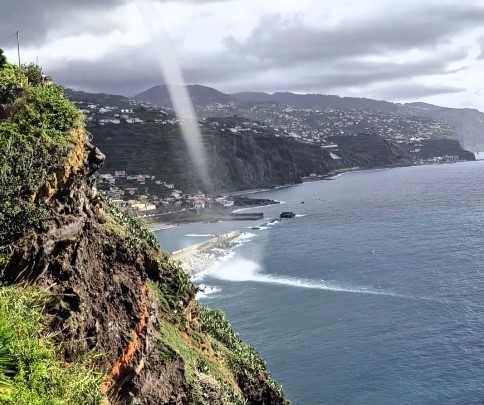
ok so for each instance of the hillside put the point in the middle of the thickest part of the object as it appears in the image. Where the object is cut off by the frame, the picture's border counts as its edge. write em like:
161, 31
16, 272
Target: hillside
256, 158
318, 101
468, 124
91, 311
237, 161
247, 153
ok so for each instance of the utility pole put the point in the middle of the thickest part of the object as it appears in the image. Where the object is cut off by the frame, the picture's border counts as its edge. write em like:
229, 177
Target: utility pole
18, 49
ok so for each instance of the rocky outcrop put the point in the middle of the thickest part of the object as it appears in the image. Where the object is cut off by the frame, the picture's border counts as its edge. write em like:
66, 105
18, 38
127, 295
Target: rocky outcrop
117, 296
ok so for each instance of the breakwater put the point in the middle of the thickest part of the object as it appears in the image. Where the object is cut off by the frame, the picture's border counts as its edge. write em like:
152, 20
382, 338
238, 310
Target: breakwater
205, 215
196, 258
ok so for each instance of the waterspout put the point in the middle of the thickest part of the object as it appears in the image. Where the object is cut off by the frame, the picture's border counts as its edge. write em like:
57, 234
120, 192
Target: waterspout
180, 98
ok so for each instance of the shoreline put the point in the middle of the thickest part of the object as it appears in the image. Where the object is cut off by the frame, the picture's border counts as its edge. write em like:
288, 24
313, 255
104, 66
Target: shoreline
197, 258
184, 217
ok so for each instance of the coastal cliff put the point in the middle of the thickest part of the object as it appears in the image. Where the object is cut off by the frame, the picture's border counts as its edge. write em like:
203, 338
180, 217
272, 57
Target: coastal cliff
237, 161
91, 311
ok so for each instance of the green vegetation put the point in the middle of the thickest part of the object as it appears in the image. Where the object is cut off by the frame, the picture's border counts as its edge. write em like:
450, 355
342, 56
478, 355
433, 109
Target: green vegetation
175, 286
33, 73
35, 124
197, 364
138, 237
241, 356
11, 83
213, 349
31, 372
3, 58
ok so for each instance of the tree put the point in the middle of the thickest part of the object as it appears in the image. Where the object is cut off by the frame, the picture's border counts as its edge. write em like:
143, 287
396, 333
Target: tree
33, 73
3, 58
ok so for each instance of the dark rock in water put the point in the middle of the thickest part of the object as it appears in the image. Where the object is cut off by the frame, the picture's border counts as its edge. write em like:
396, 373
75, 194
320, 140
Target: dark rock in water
287, 214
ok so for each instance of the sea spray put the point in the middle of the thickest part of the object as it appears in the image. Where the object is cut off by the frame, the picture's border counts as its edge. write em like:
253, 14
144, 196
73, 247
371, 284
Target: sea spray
239, 269
206, 290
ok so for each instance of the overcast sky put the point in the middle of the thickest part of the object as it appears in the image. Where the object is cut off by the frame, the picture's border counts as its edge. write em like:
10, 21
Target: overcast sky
408, 50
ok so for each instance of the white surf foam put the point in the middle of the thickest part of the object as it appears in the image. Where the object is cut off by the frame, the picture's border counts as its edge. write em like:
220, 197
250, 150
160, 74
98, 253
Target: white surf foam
239, 269
245, 236
201, 276
206, 290
300, 215
196, 235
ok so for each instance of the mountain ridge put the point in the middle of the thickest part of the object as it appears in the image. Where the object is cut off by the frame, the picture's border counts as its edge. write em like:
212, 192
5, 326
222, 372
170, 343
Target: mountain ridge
469, 123
199, 95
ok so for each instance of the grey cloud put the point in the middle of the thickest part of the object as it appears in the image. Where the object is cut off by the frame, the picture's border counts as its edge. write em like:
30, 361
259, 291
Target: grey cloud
113, 74
34, 18
411, 91
287, 42
284, 54
313, 75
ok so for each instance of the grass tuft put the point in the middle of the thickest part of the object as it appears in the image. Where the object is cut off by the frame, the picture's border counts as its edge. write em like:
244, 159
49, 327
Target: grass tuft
31, 372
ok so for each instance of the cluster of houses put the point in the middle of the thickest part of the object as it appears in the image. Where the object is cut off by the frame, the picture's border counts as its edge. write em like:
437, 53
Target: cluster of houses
102, 115
126, 112
141, 193
439, 159
235, 124
314, 126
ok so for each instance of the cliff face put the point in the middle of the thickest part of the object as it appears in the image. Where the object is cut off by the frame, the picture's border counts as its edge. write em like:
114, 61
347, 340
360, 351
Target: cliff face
242, 162
369, 151
237, 161
112, 294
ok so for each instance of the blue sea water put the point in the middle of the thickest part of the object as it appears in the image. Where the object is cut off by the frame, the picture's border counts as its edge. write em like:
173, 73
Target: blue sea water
374, 294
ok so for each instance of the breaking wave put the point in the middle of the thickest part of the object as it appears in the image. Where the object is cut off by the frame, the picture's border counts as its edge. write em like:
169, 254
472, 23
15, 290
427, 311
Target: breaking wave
206, 290
239, 270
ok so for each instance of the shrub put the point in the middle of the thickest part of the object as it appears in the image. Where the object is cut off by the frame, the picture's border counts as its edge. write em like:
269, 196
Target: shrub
25, 165
3, 59
43, 112
10, 82
34, 138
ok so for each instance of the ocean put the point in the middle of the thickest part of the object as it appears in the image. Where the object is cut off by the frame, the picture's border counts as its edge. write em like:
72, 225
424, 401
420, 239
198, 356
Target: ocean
373, 294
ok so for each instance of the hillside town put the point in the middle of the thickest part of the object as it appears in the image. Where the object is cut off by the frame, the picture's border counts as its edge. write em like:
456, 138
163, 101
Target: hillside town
313, 125
306, 125
142, 192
